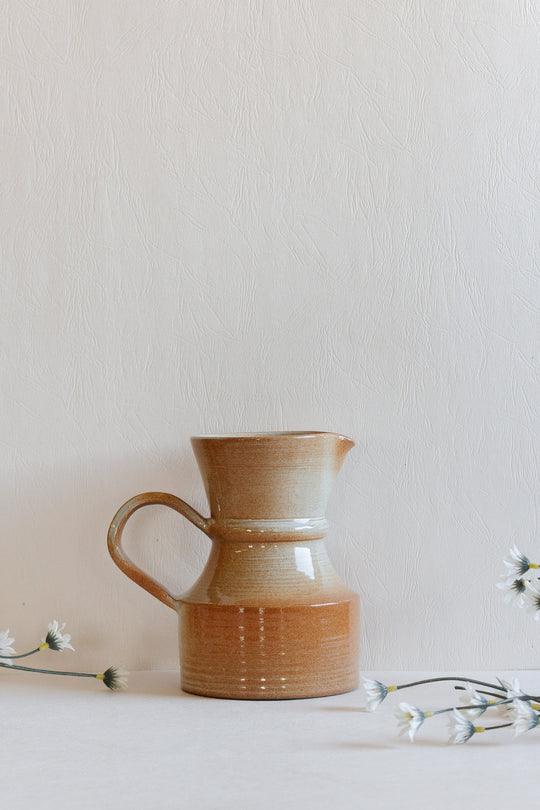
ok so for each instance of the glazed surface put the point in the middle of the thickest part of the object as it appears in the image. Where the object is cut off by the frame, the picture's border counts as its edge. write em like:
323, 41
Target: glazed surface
269, 652
268, 617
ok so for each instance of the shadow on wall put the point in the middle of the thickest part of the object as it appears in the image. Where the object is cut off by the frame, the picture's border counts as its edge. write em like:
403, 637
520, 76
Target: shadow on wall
55, 561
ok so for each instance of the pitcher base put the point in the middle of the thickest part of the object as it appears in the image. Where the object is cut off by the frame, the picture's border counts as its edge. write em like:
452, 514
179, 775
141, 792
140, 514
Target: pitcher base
272, 653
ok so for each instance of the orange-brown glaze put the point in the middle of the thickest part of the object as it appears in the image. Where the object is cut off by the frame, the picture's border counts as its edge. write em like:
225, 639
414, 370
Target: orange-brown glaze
268, 617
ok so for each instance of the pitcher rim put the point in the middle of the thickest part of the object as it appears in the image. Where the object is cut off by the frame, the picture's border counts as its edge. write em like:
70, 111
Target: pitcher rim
273, 434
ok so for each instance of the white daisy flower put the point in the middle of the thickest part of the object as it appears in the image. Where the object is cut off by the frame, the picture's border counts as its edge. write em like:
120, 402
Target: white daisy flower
517, 564
514, 591
525, 718
376, 693
513, 690
55, 639
460, 727
409, 719
474, 698
532, 597
5, 647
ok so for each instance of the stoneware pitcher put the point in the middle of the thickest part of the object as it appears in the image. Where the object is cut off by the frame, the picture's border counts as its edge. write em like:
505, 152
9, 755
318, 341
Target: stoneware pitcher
268, 617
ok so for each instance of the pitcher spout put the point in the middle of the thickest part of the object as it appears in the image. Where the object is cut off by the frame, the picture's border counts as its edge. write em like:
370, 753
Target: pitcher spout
343, 444
270, 476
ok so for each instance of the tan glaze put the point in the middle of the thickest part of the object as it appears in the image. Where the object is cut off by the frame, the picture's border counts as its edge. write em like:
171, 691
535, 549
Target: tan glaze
268, 617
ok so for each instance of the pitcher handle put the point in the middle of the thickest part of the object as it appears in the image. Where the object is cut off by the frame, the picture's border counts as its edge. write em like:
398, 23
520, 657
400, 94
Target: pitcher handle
116, 528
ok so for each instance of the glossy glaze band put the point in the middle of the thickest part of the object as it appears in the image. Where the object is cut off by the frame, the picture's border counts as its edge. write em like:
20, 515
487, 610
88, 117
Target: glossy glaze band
262, 530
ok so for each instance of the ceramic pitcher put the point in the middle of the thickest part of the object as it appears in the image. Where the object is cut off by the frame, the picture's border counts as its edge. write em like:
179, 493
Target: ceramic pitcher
268, 617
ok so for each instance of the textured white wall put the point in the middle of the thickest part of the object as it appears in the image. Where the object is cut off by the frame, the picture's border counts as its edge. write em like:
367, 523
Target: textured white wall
227, 216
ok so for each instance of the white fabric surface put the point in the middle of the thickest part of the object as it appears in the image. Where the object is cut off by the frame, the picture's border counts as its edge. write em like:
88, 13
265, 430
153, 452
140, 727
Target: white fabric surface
72, 744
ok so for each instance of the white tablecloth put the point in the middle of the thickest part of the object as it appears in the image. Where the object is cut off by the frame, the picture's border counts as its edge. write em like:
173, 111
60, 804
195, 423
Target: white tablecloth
70, 743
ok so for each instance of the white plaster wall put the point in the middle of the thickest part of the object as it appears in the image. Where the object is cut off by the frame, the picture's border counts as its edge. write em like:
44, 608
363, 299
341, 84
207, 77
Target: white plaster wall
227, 216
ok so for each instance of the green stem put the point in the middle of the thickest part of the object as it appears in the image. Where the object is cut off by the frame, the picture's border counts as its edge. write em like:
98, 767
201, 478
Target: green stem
536, 698
447, 678
475, 706
465, 680
482, 692
22, 655
50, 671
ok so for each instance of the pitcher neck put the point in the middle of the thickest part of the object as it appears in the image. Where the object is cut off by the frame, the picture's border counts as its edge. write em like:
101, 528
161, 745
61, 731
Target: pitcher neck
269, 477
263, 531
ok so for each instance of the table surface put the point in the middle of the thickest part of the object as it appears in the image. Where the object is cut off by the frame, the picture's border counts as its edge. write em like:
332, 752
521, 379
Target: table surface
71, 743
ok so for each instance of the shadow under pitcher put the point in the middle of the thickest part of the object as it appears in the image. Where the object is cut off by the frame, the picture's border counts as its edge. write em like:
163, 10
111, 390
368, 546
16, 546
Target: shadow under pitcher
268, 617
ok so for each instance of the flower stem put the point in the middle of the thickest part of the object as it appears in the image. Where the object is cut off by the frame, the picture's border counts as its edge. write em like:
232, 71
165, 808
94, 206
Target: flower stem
475, 706
22, 655
465, 680
499, 696
447, 678
50, 671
